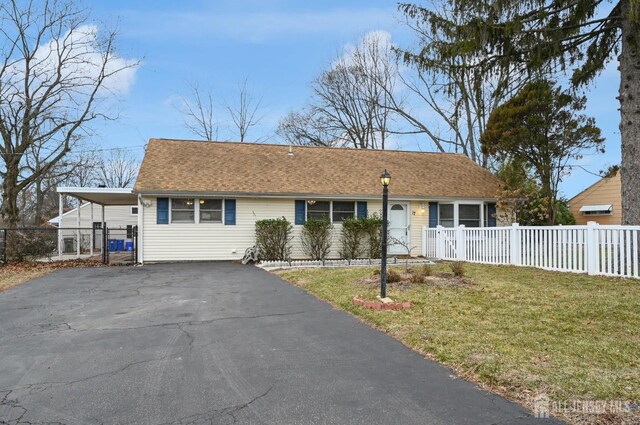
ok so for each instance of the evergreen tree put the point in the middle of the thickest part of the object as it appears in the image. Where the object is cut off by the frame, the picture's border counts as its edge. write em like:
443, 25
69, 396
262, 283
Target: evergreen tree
540, 126
536, 36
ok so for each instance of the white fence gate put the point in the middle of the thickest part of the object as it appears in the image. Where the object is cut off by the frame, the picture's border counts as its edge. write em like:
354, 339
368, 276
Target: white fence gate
592, 249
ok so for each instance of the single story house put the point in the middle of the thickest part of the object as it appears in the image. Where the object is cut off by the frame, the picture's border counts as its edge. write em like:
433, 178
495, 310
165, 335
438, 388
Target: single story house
200, 200
601, 202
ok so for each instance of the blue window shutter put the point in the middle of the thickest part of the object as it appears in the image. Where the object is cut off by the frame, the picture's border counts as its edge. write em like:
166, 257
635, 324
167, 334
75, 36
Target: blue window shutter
162, 211
491, 213
301, 211
362, 209
230, 211
433, 214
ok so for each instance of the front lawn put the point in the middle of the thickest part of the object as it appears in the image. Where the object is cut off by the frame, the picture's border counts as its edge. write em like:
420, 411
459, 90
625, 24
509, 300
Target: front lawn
518, 331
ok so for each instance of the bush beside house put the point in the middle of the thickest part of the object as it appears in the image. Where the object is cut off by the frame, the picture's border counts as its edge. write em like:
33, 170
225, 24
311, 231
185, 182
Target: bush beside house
359, 238
316, 238
273, 239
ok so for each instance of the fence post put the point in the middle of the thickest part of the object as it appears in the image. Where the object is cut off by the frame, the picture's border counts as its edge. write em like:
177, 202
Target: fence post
515, 244
439, 243
461, 243
592, 248
424, 241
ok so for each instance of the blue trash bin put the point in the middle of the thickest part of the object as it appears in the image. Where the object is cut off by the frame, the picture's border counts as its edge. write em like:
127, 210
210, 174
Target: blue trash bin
113, 245
128, 246
120, 244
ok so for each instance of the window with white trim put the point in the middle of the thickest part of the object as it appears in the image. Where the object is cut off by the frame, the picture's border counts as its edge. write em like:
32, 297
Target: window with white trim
469, 215
182, 210
318, 210
336, 211
343, 210
445, 215
134, 210
210, 210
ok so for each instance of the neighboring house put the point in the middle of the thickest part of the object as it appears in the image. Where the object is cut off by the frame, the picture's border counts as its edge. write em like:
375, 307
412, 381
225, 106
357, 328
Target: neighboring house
601, 202
116, 216
123, 217
200, 200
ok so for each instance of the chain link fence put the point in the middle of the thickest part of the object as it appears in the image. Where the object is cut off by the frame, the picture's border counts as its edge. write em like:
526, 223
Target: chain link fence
111, 246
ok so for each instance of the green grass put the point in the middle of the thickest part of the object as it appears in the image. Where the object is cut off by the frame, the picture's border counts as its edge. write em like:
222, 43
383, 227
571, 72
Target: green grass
517, 330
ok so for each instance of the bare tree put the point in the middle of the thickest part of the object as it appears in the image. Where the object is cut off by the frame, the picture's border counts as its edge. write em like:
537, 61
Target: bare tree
458, 94
308, 128
245, 113
350, 106
39, 197
53, 70
197, 112
86, 170
119, 169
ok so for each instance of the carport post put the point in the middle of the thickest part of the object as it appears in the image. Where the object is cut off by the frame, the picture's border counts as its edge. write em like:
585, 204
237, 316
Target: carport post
105, 242
92, 230
60, 211
78, 228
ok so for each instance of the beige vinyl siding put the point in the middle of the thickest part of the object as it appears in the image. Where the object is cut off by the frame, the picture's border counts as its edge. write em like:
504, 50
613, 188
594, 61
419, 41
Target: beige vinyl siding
217, 241
419, 219
214, 241
604, 192
116, 216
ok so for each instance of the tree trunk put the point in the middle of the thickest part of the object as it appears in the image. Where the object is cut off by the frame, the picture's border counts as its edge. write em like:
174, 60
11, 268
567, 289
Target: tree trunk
10, 213
38, 218
630, 116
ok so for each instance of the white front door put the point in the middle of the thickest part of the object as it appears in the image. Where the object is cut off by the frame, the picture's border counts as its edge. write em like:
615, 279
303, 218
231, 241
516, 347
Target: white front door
398, 229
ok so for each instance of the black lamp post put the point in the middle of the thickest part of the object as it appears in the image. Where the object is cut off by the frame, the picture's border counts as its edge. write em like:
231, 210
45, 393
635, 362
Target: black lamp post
385, 178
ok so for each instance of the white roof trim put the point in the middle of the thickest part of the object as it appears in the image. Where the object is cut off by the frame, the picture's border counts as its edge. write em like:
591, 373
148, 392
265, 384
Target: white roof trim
115, 190
587, 208
102, 195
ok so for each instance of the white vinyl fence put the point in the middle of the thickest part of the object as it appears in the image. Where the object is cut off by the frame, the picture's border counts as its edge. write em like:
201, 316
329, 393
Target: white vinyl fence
592, 249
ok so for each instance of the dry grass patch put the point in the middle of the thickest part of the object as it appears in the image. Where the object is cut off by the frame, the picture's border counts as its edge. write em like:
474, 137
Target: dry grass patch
518, 331
14, 274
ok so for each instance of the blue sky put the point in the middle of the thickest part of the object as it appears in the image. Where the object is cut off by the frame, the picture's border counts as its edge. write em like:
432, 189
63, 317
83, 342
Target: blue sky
279, 46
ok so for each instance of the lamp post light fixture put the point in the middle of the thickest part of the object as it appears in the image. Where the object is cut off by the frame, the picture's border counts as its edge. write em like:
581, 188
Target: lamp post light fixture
385, 179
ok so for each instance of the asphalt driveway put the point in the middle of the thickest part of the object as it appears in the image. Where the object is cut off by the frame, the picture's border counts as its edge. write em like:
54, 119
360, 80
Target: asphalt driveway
213, 343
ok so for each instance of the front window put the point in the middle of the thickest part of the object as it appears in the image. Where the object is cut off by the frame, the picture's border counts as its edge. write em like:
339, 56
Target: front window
343, 210
446, 218
182, 210
211, 210
318, 210
469, 215
134, 210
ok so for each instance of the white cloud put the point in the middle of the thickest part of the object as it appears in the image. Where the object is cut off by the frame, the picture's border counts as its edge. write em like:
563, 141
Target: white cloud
82, 61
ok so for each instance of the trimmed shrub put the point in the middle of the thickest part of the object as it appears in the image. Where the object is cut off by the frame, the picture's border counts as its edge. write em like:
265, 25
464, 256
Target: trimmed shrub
360, 237
273, 239
316, 238
351, 239
371, 228
457, 268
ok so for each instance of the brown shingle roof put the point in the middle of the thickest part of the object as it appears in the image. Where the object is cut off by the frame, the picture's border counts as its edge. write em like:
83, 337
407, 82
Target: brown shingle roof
248, 168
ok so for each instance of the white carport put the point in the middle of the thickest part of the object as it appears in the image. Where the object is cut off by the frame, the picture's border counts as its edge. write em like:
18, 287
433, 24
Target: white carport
103, 196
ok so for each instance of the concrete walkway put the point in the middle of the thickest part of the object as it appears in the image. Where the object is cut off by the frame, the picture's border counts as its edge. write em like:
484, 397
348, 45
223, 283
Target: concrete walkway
213, 343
